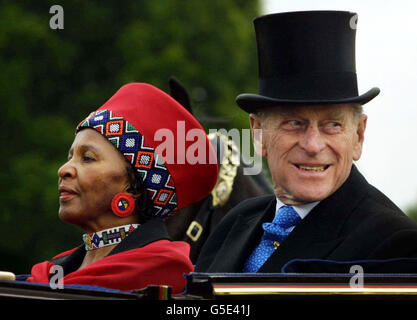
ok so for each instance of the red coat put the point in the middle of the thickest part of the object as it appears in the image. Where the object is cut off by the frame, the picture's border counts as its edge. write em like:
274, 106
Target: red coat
136, 262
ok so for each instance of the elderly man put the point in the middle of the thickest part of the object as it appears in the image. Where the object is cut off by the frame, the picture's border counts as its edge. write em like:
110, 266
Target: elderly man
308, 122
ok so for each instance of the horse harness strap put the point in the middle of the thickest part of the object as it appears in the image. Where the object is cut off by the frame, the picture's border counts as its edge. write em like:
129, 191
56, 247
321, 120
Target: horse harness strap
229, 154
194, 230
229, 161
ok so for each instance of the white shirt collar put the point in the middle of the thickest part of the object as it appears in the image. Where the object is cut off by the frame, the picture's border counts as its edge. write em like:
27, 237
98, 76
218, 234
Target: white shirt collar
303, 209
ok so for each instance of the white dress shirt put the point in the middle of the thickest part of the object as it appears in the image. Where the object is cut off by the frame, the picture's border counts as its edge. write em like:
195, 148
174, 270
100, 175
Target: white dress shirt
303, 209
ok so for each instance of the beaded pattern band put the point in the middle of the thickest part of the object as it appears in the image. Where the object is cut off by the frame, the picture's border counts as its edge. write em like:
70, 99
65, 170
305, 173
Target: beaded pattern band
107, 237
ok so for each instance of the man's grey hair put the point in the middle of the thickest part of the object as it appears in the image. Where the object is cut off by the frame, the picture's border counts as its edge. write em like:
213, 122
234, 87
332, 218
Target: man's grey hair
357, 110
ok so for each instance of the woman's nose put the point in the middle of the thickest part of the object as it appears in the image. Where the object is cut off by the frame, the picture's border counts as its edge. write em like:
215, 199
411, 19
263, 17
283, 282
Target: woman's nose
67, 170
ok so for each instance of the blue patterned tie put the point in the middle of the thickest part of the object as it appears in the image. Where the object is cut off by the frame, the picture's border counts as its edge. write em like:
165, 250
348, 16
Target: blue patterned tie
276, 231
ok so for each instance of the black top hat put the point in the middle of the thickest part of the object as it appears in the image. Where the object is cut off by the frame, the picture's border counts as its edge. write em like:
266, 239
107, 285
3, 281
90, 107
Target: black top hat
306, 57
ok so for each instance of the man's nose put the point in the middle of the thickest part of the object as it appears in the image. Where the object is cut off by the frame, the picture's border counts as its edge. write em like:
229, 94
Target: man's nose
67, 170
312, 141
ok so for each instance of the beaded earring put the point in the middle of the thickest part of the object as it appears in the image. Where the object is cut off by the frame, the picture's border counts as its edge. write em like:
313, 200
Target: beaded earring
123, 204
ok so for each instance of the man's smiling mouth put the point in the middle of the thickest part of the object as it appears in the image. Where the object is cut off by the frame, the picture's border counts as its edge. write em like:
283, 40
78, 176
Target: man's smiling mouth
312, 168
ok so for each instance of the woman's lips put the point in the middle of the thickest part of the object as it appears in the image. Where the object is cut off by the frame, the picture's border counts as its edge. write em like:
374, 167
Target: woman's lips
66, 194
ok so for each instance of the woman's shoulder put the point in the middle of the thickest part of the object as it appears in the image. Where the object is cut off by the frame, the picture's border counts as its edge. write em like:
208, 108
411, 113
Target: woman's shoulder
165, 247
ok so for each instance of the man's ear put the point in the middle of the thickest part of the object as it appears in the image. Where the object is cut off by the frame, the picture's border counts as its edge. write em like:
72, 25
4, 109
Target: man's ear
360, 137
256, 130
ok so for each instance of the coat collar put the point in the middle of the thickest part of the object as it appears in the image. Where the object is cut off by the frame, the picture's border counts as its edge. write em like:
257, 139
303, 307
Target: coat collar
243, 238
151, 231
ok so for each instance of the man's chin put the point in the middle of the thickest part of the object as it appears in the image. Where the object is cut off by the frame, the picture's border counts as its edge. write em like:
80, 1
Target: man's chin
306, 195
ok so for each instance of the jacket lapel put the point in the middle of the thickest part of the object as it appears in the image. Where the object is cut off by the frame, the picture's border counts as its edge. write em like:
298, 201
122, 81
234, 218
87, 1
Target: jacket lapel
242, 239
320, 232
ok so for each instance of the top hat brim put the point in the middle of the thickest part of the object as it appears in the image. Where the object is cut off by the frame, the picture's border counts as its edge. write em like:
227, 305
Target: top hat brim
254, 102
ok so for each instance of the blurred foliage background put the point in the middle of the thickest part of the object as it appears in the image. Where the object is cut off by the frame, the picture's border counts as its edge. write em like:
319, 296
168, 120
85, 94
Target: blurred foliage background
52, 79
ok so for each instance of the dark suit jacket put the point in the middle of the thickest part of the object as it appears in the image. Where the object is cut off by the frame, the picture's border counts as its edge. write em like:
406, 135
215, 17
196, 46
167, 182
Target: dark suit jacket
356, 222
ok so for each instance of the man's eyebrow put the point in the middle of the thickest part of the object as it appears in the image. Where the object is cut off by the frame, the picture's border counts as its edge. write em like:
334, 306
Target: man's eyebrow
336, 114
286, 111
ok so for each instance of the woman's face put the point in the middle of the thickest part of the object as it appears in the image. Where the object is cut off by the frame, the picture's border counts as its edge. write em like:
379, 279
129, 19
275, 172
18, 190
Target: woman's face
94, 173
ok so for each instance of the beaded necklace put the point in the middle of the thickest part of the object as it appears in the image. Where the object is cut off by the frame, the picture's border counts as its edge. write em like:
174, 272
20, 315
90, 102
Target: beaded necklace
107, 237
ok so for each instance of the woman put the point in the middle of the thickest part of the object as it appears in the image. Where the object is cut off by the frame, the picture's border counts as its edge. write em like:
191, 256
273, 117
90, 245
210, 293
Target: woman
118, 189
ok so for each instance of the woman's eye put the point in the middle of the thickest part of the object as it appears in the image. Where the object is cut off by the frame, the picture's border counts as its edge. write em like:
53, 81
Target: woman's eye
87, 159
